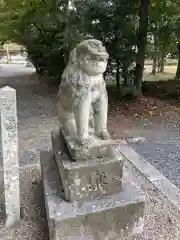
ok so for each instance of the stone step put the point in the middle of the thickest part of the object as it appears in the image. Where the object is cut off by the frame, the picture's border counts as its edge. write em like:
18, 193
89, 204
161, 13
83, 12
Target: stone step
111, 217
87, 179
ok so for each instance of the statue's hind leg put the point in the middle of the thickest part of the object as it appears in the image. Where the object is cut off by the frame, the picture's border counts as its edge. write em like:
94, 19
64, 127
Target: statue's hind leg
91, 118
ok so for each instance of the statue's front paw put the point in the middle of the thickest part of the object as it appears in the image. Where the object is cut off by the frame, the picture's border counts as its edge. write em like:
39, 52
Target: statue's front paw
91, 123
85, 142
104, 135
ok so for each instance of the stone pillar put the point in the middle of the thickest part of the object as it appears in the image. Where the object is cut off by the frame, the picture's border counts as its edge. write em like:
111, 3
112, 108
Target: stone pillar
9, 166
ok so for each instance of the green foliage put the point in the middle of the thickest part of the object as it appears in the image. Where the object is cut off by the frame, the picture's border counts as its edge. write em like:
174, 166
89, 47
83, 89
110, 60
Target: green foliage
49, 31
163, 25
39, 25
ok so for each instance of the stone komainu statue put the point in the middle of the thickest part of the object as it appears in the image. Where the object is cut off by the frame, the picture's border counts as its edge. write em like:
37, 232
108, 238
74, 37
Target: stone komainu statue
82, 92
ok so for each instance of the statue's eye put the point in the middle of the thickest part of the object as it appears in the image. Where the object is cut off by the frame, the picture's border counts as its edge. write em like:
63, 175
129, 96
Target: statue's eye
93, 45
78, 85
94, 58
88, 59
101, 59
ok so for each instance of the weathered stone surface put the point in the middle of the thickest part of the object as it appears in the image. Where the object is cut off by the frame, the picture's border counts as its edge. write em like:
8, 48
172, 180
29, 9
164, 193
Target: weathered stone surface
29, 157
9, 167
2, 199
88, 179
112, 217
1, 152
82, 97
8, 234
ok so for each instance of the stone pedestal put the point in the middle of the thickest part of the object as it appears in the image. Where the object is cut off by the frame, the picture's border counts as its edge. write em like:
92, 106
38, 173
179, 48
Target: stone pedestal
90, 198
89, 178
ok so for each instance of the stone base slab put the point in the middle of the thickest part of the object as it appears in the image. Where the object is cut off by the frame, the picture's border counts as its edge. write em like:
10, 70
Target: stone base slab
97, 148
87, 179
112, 217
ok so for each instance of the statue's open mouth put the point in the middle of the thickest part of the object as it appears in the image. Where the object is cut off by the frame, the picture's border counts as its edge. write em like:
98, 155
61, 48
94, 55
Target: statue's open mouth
98, 58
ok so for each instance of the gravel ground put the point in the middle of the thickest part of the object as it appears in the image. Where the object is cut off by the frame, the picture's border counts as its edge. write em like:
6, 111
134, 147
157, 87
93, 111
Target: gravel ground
162, 219
36, 119
34, 224
161, 147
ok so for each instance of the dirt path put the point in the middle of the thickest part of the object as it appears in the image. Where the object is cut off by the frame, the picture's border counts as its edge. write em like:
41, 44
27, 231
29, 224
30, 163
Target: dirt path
35, 106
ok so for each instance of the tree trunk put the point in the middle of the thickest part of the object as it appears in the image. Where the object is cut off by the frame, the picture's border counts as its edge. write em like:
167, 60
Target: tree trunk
159, 62
141, 43
154, 63
154, 66
162, 61
117, 74
125, 76
66, 31
178, 66
8, 59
